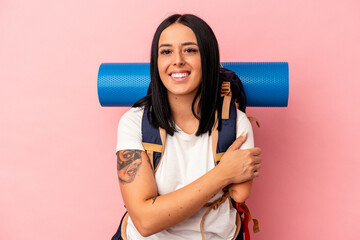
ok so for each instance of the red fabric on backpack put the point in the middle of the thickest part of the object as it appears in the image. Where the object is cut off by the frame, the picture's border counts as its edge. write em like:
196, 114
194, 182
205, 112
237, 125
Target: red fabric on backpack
246, 221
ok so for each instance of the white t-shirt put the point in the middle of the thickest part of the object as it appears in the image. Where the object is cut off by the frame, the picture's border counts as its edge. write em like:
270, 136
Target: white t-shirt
186, 158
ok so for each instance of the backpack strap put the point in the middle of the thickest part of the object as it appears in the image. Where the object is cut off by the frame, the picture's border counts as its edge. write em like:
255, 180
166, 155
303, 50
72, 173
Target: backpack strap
241, 207
227, 135
253, 119
153, 139
212, 205
226, 93
214, 139
222, 140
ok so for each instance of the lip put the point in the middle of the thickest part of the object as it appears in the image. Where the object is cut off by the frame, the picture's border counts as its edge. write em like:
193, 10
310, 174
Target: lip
180, 79
131, 171
179, 71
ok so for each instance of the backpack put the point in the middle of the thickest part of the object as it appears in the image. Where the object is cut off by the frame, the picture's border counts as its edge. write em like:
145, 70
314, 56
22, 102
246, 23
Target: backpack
234, 97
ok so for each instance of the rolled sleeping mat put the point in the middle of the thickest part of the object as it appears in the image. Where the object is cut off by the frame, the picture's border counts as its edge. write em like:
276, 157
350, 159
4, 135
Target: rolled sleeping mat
266, 84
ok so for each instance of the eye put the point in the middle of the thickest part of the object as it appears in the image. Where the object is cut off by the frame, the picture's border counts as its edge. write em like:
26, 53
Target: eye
191, 50
127, 154
165, 51
137, 154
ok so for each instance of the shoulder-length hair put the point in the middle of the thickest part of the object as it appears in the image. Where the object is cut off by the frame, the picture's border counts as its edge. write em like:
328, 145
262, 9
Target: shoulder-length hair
210, 87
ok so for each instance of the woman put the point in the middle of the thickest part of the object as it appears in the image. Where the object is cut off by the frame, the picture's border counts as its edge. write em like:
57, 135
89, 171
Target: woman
185, 101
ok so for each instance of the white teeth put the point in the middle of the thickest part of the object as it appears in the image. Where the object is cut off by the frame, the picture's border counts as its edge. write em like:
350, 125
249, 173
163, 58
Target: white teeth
179, 75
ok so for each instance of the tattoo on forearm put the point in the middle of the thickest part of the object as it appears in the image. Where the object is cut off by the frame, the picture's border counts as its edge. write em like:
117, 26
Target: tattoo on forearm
128, 163
154, 198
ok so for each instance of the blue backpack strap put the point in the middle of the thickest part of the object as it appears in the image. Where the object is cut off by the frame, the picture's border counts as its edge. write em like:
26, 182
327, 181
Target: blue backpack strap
121, 232
227, 134
151, 139
234, 97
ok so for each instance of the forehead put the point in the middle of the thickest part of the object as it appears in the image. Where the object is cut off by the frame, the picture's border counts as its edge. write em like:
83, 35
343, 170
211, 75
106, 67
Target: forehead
177, 33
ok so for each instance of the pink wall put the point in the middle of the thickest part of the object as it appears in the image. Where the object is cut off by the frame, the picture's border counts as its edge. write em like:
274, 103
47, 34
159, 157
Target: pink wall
57, 161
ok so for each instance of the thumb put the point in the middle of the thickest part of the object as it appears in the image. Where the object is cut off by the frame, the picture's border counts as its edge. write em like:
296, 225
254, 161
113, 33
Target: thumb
238, 142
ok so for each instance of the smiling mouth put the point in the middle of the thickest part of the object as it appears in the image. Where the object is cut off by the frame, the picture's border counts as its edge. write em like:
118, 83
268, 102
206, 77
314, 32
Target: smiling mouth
131, 172
179, 76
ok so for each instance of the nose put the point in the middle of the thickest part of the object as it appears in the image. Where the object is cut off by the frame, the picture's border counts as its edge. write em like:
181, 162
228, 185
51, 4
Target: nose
178, 59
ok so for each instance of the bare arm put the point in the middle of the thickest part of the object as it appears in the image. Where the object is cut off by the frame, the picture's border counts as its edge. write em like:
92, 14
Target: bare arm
140, 195
241, 191
138, 188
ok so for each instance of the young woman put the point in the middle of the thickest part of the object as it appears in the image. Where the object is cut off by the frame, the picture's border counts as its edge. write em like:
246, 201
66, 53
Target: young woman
185, 101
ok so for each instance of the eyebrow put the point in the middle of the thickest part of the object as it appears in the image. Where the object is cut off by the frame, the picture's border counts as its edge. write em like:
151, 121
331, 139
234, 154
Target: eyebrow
183, 44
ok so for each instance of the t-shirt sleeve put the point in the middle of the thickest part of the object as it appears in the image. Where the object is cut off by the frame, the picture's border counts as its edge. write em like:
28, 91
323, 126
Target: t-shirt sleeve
243, 124
129, 130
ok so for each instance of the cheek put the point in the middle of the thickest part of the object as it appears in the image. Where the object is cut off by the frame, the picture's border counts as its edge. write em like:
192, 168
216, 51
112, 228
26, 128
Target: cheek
163, 63
138, 161
162, 68
122, 173
195, 63
197, 66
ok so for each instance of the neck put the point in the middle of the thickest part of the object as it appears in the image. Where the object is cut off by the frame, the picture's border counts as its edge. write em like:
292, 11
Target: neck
182, 112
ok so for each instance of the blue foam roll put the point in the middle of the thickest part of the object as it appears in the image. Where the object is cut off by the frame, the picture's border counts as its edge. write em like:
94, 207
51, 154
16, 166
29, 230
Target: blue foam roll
266, 84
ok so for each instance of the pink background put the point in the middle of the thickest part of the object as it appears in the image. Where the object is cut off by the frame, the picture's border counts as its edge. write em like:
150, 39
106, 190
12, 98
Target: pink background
57, 154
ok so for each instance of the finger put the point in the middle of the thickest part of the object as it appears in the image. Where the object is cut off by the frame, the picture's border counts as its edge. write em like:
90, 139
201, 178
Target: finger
257, 167
255, 151
257, 160
256, 174
239, 141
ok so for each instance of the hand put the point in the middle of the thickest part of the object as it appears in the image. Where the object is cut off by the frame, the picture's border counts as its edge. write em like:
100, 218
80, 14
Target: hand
238, 165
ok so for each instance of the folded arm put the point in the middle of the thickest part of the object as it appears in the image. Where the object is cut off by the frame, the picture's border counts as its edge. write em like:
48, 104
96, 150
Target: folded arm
139, 191
140, 195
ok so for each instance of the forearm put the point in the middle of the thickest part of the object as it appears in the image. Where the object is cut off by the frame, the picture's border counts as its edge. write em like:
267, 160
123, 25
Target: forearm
151, 213
161, 212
